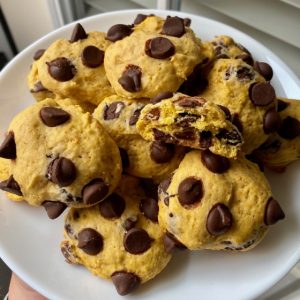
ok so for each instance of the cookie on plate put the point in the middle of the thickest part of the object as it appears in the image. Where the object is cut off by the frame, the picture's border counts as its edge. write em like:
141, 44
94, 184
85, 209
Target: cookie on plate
119, 239
214, 203
140, 158
283, 147
189, 121
145, 63
74, 68
250, 99
59, 156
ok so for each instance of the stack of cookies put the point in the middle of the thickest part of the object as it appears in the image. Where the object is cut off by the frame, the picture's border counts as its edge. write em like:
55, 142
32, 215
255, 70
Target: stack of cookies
154, 140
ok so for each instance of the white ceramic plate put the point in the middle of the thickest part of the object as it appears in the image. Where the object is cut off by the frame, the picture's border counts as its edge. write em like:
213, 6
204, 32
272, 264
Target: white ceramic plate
29, 241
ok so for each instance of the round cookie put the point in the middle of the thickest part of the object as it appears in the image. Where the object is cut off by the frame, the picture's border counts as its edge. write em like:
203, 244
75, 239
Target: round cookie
146, 63
191, 122
250, 99
119, 239
283, 147
213, 203
140, 158
74, 68
60, 156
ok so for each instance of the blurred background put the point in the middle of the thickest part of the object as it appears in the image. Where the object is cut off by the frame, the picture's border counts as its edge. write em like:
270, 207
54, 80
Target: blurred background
274, 23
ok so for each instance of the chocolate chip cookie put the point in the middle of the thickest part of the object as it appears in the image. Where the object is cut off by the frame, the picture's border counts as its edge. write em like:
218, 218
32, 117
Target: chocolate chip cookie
119, 239
190, 121
59, 156
74, 68
139, 157
215, 203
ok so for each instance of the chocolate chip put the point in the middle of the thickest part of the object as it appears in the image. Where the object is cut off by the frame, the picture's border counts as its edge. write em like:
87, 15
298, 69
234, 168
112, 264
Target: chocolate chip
61, 171
185, 119
264, 70
61, 69
240, 46
171, 243
130, 222
38, 54
281, 105
271, 146
90, 241
112, 207
131, 79
161, 96
163, 186
164, 137
231, 137
149, 207
95, 191
190, 191
205, 139
252, 157
11, 186
92, 57
244, 73
124, 158
38, 87
215, 163
261, 94
8, 147
118, 32
125, 282
219, 219
236, 122
226, 111
78, 33
135, 116
161, 152
290, 128
140, 18
187, 22
160, 48
137, 241
191, 102
113, 110
66, 250
54, 208
273, 212
247, 58
272, 121
153, 114
52, 116
167, 200
173, 26
186, 134
149, 187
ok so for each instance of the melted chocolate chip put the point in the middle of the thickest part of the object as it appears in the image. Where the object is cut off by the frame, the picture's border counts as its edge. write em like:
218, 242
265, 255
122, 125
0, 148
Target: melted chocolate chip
164, 137
135, 116
191, 102
92, 57
124, 158
61, 69
161, 152
271, 146
190, 191
54, 208
236, 122
112, 207
187, 22
52, 116
118, 32
131, 79
11, 186
173, 26
159, 48
161, 96
205, 139
149, 207
153, 114
290, 128
130, 222
247, 58
38, 54
62, 171
90, 241
186, 134
273, 212
78, 33
137, 241
215, 163
171, 243
219, 219
226, 111
281, 105
8, 147
125, 282
162, 188
229, 137
185, 119
272, 121
113, 110
261, 94
264, 70
244, 73
95, 191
